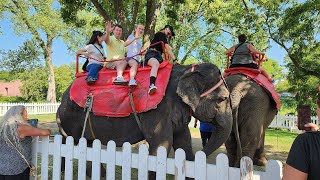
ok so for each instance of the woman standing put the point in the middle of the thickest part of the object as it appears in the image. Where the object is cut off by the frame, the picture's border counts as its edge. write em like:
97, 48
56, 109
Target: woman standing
93, 49
15, 144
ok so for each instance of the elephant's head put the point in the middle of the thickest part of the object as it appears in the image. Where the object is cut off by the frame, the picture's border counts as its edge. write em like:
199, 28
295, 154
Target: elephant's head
203, 89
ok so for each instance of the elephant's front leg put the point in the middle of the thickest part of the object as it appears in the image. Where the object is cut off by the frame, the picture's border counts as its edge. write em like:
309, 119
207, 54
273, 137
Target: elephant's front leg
182, 139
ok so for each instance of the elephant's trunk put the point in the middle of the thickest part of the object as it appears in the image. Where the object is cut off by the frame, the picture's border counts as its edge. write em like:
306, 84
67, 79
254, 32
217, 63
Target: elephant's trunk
220, 134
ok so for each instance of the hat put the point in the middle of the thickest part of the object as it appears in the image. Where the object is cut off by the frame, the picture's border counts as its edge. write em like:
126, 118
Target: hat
171, 29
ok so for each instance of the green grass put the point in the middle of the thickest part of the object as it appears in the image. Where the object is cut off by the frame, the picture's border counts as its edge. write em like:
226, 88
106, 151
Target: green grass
279, 141
43, 118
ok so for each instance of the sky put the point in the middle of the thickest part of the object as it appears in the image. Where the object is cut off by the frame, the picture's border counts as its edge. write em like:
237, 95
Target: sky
10, 41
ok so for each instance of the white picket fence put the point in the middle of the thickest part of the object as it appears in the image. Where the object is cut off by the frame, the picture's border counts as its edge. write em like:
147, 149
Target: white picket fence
32, 108
142, 161
289, 122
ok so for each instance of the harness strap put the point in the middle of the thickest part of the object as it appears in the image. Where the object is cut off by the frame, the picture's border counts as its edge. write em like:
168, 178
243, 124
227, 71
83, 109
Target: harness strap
88, 108
212, 89
91, 128
134, 110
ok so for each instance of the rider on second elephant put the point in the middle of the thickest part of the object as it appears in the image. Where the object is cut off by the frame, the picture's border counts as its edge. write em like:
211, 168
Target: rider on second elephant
243, 55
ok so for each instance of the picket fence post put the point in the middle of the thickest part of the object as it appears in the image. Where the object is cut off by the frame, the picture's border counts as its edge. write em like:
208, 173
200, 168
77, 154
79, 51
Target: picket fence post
200, 166
111, 160
143, 162
44, 157
161, 171
56, 171
246, 168
68, 151
82, 161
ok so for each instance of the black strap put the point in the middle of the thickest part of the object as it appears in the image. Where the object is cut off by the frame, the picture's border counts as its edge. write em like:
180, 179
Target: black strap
231, 59
237, 47
99, 51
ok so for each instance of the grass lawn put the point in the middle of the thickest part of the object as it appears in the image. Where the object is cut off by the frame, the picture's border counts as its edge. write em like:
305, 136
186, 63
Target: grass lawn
43, 118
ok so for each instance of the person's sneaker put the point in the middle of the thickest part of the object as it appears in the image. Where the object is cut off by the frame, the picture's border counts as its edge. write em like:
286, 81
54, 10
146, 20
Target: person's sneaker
120, 81
152, 89
132, 82
90, 80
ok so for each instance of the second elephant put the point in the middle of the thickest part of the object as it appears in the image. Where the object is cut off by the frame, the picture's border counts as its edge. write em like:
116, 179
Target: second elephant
253, 110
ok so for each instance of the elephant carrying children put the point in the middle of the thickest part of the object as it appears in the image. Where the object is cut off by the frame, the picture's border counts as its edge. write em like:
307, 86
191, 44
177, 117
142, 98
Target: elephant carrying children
167, 125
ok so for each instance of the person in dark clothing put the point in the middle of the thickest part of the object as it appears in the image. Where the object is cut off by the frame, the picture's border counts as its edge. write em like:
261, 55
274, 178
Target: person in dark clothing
303, 161
206, 130
242, 56
153, 55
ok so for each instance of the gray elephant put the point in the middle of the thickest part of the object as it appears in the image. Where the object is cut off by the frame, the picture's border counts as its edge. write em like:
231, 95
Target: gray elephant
253, 110
167, 125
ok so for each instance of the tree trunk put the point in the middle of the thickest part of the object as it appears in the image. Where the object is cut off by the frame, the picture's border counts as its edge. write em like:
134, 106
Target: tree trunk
51, 94
152, 12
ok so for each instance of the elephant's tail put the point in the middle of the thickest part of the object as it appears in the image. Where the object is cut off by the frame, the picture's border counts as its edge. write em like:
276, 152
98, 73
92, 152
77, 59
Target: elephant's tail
236, 131
61, 130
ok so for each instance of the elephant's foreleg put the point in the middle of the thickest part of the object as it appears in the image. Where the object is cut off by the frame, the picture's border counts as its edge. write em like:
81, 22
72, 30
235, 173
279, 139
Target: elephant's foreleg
182, 139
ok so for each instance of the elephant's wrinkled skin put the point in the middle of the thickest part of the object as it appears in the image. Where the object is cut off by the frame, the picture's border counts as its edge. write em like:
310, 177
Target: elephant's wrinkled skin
167, 125
254, 110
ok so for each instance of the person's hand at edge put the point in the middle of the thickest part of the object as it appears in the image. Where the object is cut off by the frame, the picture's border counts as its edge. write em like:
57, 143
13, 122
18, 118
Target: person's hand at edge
175, 61
311, 127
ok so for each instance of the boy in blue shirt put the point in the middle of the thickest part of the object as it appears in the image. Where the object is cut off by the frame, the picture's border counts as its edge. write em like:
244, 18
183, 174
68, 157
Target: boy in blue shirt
205, 131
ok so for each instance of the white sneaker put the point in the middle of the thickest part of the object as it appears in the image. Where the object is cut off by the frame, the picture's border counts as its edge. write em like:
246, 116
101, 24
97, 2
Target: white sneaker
152, 89
132, 82
120, 80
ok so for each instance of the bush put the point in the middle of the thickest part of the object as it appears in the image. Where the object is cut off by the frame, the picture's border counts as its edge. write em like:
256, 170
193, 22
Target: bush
11, 99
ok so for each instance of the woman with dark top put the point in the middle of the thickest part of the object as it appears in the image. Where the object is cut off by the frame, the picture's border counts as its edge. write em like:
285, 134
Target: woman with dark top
303, 161
243, 57
93, 49
15, 144
153, 56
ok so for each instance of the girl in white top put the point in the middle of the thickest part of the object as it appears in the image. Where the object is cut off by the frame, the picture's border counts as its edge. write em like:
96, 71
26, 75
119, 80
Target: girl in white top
134, 47
94, 49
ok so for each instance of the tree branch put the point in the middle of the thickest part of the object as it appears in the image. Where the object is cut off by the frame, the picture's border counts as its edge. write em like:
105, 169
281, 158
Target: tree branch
293, 58
101, 10
34, 32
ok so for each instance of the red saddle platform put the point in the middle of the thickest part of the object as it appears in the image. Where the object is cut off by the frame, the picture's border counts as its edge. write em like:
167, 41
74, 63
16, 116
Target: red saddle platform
256, 75
113, 100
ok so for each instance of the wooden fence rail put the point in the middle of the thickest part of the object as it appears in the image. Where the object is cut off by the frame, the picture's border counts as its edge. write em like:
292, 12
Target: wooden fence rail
110, 157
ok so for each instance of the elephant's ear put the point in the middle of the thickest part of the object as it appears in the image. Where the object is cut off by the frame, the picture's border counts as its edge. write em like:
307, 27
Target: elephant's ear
188, 89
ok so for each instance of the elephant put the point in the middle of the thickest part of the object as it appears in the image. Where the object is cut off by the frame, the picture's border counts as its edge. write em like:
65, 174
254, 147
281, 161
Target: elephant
253, 111
167, 125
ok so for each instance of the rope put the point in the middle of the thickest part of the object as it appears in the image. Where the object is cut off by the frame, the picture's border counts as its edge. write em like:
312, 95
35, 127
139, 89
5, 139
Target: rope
91, 128
134, 110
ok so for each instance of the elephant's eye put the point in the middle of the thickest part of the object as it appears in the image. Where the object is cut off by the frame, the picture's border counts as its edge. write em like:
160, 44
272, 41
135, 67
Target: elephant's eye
221, 99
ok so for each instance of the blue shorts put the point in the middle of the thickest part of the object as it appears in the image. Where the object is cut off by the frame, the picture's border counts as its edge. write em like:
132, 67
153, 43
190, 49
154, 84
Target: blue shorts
129, 59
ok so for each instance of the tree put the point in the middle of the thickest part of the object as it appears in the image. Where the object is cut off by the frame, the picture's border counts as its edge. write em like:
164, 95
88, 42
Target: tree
35, 90
64, 77
25, 58
42, 20
126, 13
